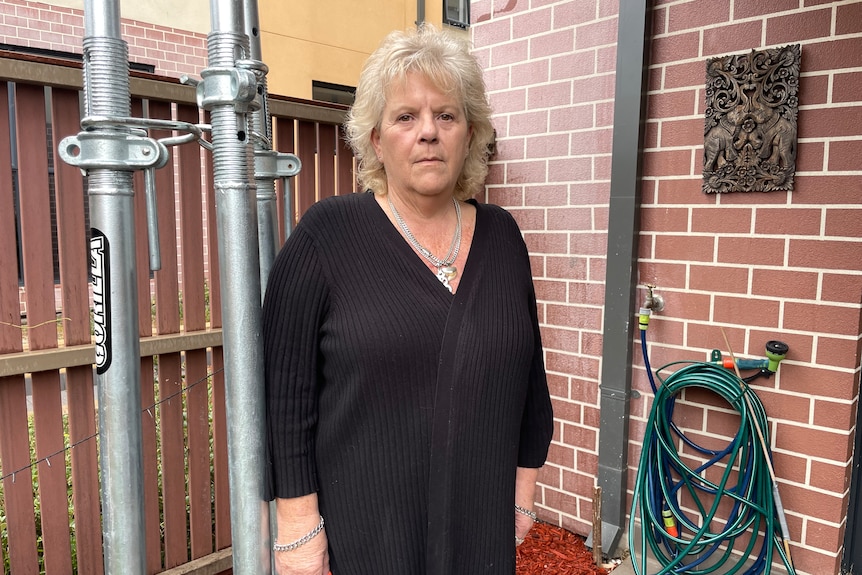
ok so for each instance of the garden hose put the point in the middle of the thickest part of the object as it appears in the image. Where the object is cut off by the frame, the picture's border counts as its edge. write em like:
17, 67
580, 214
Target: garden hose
695, 515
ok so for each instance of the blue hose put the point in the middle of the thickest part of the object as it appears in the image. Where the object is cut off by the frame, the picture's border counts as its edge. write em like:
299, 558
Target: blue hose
695, 515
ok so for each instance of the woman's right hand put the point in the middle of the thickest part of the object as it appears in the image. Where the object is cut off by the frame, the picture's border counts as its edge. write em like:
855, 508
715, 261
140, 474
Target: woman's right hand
297, 517
309, 559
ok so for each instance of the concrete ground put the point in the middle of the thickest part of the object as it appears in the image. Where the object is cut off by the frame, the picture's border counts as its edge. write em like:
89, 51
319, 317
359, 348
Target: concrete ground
626, 567
653, 567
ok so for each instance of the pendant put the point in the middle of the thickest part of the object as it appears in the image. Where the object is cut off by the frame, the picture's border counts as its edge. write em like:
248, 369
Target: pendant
444, 274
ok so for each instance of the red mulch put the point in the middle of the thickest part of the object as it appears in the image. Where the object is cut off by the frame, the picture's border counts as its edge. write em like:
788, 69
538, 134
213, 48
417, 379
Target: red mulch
552, 550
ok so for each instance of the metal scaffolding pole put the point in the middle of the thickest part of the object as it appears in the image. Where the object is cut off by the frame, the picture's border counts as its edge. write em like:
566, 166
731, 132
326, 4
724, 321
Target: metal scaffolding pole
269, 164
110, 154
228, 90
267, 214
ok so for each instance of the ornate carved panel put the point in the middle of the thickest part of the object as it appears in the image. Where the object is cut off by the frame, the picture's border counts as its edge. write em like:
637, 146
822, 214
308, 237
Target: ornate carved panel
749, 142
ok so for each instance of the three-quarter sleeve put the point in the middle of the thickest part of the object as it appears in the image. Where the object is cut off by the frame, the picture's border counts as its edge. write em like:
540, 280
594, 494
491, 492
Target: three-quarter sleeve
537, 424
293, 310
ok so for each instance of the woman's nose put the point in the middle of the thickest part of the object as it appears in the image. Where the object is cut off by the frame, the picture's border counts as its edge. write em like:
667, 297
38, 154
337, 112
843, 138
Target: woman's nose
427, 128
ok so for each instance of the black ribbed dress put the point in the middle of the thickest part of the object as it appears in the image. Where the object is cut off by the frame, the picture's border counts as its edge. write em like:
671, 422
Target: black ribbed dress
407, 408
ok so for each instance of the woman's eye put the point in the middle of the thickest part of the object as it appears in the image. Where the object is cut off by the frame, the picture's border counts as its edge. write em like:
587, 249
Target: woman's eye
447, 117
403, 118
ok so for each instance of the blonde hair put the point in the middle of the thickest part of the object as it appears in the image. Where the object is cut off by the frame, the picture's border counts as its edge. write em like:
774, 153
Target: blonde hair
445, 61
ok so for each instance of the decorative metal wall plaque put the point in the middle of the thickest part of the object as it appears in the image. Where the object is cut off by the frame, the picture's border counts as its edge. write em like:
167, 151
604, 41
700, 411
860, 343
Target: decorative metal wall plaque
749, 142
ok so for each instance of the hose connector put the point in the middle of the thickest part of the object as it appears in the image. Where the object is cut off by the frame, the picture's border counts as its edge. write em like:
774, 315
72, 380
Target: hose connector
643, 318
669, 522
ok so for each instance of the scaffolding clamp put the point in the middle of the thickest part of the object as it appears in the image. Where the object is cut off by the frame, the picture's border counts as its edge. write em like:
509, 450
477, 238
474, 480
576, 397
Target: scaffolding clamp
112, 151
272, 165
227, 86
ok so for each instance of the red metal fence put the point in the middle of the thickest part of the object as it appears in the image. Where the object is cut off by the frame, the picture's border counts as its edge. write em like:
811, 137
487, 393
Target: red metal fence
49, 494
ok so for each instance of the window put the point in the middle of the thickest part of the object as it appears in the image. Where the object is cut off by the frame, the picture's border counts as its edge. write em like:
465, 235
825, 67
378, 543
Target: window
335, 93
457, 13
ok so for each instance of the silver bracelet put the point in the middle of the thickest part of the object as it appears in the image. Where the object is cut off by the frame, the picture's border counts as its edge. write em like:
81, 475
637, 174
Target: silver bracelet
524, 511
301, 541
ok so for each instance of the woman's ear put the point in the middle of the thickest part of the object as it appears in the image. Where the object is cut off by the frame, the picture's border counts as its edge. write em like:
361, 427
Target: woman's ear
375, 141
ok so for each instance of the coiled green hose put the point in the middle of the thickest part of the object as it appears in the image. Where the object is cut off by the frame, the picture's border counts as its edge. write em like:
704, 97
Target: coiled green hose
736, 510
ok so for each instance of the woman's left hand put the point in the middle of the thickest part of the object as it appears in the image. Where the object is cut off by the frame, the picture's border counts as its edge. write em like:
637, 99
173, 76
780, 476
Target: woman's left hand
525, 488
523, 524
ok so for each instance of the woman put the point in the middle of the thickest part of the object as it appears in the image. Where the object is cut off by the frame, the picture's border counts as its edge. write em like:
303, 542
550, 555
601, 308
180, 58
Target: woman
407, 404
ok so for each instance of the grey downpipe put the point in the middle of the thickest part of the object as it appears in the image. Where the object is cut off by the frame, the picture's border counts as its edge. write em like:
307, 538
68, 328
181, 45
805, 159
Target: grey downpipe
227, 91
621, 280
112, 251
420, 11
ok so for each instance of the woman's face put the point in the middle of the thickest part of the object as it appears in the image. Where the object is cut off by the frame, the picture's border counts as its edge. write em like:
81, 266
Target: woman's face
423, 138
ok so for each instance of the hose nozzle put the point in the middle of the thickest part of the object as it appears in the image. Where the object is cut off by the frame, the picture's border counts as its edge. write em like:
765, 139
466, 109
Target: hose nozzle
775, 352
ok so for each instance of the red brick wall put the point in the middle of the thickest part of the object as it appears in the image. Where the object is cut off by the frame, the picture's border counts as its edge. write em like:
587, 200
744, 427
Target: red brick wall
550, 75
781, 265
39, 25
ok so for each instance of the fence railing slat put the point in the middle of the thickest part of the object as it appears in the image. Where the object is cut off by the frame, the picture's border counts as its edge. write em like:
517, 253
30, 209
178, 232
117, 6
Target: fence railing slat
306, 181
194, 318
71, 232
10, 308
171, 434
326, 156
344, 166
36, 245
149, 453
167, 278
221, 485
50, 451
14, 443
200, 491
18, 488
35, 205
191, 221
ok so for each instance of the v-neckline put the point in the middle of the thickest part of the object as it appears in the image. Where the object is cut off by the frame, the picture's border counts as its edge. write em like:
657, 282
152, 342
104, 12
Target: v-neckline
401, 246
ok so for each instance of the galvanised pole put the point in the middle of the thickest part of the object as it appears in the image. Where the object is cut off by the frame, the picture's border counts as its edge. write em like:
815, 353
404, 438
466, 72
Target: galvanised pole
261, 121
227, 91
269, 165
115, 294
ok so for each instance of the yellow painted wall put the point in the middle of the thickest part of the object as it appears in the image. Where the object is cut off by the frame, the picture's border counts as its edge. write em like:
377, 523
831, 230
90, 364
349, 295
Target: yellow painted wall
301, 40
328, 40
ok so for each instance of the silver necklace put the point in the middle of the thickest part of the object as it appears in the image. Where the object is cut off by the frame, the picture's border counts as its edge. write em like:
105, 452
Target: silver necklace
445, 270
